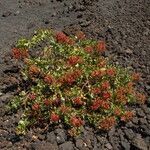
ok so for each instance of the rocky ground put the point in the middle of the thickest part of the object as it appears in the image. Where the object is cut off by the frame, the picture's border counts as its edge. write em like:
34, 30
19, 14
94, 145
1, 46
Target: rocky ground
125, 25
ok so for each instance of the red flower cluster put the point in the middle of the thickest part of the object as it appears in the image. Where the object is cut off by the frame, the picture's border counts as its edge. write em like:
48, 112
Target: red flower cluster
136, 76
98, 103
62, 38
73, 60
98, 73
111, 72
141, 98
64, 109
105, 85
20, 53
96, 90
76, 121
35, 107
101, 46
54, 117
32, 96
47, 102
121, 95
107, 123
70, 78
127, 116
102, 63
106, 95
34, 70
117, 112
89, 49
78, 101
80, 35
48, 79
129, 88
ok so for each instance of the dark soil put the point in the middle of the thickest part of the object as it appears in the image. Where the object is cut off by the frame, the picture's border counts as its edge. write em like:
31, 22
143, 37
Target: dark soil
124, 24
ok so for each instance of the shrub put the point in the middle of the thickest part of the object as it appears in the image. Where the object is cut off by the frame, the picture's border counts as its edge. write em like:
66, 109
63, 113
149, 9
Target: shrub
72, 83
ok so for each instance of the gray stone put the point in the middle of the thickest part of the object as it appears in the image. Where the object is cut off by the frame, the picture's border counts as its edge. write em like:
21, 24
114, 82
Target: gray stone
140, 112
51, 137
129, 133
125, 145
43, 146
139, 143
109, 146
67, 146
143, 121
135, 120
61, 136
85, 23
128, 51
81, 145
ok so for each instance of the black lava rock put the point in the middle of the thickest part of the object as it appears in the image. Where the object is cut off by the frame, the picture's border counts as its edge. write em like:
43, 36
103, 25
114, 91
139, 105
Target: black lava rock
61, 136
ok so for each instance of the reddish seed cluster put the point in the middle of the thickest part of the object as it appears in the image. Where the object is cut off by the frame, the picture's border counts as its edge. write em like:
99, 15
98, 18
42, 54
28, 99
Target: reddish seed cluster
106, 95
129, 88
89, 49
98, 73
96, 90
76, 121
111, 72
107, 123
47, 102
62, 38
34, 70
48, 79
105, 85
127, 116
102, 63
141, 98
101, 46
70, 78
35, 107
121, 95
98, 103
78, 101
80, 35
20, 53
54, 117
117, 112
136, 76
73, 60
32, 96
64, 109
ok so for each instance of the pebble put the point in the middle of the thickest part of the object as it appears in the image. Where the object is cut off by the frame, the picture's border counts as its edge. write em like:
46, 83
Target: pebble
139, 143
43, 146
67, 146
51, 137
143, 121
61, 136
140, 112
80, 144
85, 23
128, 51
129, 133
135, 120
125, 145
109, 146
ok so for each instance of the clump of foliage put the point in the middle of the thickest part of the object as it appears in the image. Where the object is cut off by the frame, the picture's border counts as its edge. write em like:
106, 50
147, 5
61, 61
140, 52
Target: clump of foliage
72, 84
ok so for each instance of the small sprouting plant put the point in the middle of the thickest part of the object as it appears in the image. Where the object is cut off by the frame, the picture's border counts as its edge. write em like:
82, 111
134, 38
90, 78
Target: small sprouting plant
72, 84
